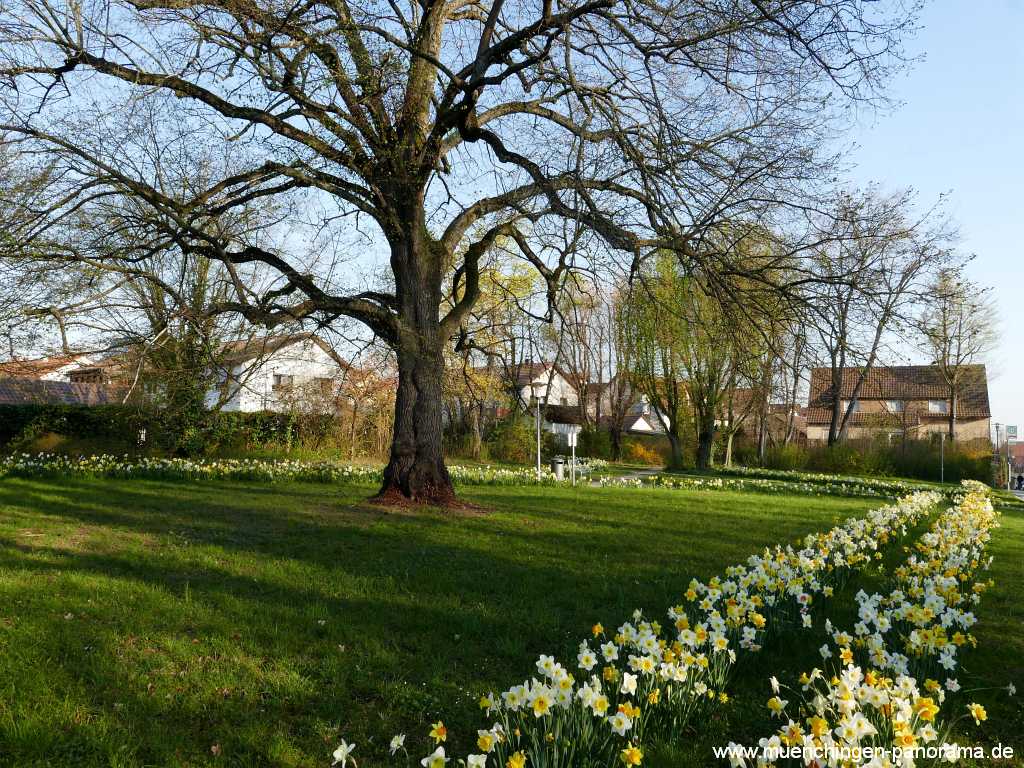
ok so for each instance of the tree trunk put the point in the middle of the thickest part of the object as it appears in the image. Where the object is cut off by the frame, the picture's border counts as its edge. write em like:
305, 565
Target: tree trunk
352, 432
952, 416
477, 435
728, 449
705, 442
615, 435
416, 469
675, 443
836, 416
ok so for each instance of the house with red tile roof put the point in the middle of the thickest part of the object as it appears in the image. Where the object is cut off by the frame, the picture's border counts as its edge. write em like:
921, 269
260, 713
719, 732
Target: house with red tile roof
910, 401
55, 368
271, 373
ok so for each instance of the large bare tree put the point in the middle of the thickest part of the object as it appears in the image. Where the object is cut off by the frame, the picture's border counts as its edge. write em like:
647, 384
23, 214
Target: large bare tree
428, 129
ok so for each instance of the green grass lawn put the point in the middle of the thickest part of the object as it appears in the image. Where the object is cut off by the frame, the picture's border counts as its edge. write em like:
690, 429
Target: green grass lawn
145, 623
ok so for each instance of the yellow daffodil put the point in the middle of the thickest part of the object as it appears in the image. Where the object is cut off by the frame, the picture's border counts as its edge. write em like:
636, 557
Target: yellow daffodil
438, 732
978, 713
631, 755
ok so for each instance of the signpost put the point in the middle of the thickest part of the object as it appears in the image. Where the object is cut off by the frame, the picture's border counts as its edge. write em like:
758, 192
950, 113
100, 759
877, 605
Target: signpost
1011, 433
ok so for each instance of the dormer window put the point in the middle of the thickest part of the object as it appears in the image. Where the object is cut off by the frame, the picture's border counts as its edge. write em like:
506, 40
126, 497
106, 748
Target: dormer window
846, 404
894, 406
86, 376
938, 406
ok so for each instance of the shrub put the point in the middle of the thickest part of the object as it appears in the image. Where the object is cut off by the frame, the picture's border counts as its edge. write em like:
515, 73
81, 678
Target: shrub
790, 457
595, 443
635, 452
118, 428
918, 459
513, 440
22, 425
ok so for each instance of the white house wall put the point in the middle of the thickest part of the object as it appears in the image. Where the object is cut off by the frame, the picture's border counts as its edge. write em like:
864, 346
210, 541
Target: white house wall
552, 395
303, 361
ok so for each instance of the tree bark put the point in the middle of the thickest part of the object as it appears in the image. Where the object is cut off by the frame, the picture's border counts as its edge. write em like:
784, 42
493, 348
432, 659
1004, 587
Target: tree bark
615, 436
675, 443
706, 439
705, 442
352, 431
416, 470
952, 414
476, 434
836, 406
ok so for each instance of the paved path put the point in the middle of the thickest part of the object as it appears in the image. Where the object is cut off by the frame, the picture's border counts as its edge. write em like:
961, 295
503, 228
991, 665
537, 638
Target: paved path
1018, 494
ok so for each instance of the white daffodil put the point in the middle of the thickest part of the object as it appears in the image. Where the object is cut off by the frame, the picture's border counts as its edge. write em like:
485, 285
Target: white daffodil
435, 759
628, 684
620, 723
342, 752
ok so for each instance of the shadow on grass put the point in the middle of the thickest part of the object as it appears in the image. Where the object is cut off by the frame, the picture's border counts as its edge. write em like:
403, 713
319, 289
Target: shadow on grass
144, 622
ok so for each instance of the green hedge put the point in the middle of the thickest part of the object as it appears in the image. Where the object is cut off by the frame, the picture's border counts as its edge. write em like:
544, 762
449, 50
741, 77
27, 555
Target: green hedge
120, 426
916, 459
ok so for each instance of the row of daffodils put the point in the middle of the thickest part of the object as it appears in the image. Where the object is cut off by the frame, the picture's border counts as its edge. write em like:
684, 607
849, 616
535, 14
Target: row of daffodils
259, 470
642, 683
884, 704
881, 485
123, 467
785, 483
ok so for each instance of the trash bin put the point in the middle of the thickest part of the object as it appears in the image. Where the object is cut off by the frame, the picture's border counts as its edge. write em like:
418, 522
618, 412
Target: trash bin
558, 468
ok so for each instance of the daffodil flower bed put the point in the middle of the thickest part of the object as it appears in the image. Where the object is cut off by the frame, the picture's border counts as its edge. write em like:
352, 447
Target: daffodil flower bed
853, 487
882, 484
644, 682
884, 701
918, 627
121, 467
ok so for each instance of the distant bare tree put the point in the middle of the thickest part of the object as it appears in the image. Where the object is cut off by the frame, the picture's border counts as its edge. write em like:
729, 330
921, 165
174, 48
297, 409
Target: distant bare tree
958, 328
872, 273
793, 364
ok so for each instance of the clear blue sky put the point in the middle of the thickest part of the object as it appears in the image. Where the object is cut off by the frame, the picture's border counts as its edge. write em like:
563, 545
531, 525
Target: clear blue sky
961, 130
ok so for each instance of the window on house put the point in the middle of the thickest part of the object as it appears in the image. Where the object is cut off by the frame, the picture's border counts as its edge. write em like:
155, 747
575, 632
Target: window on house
563, 400
938, 406
894, 406
326, 385
846, 404
283, 381
86, 376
